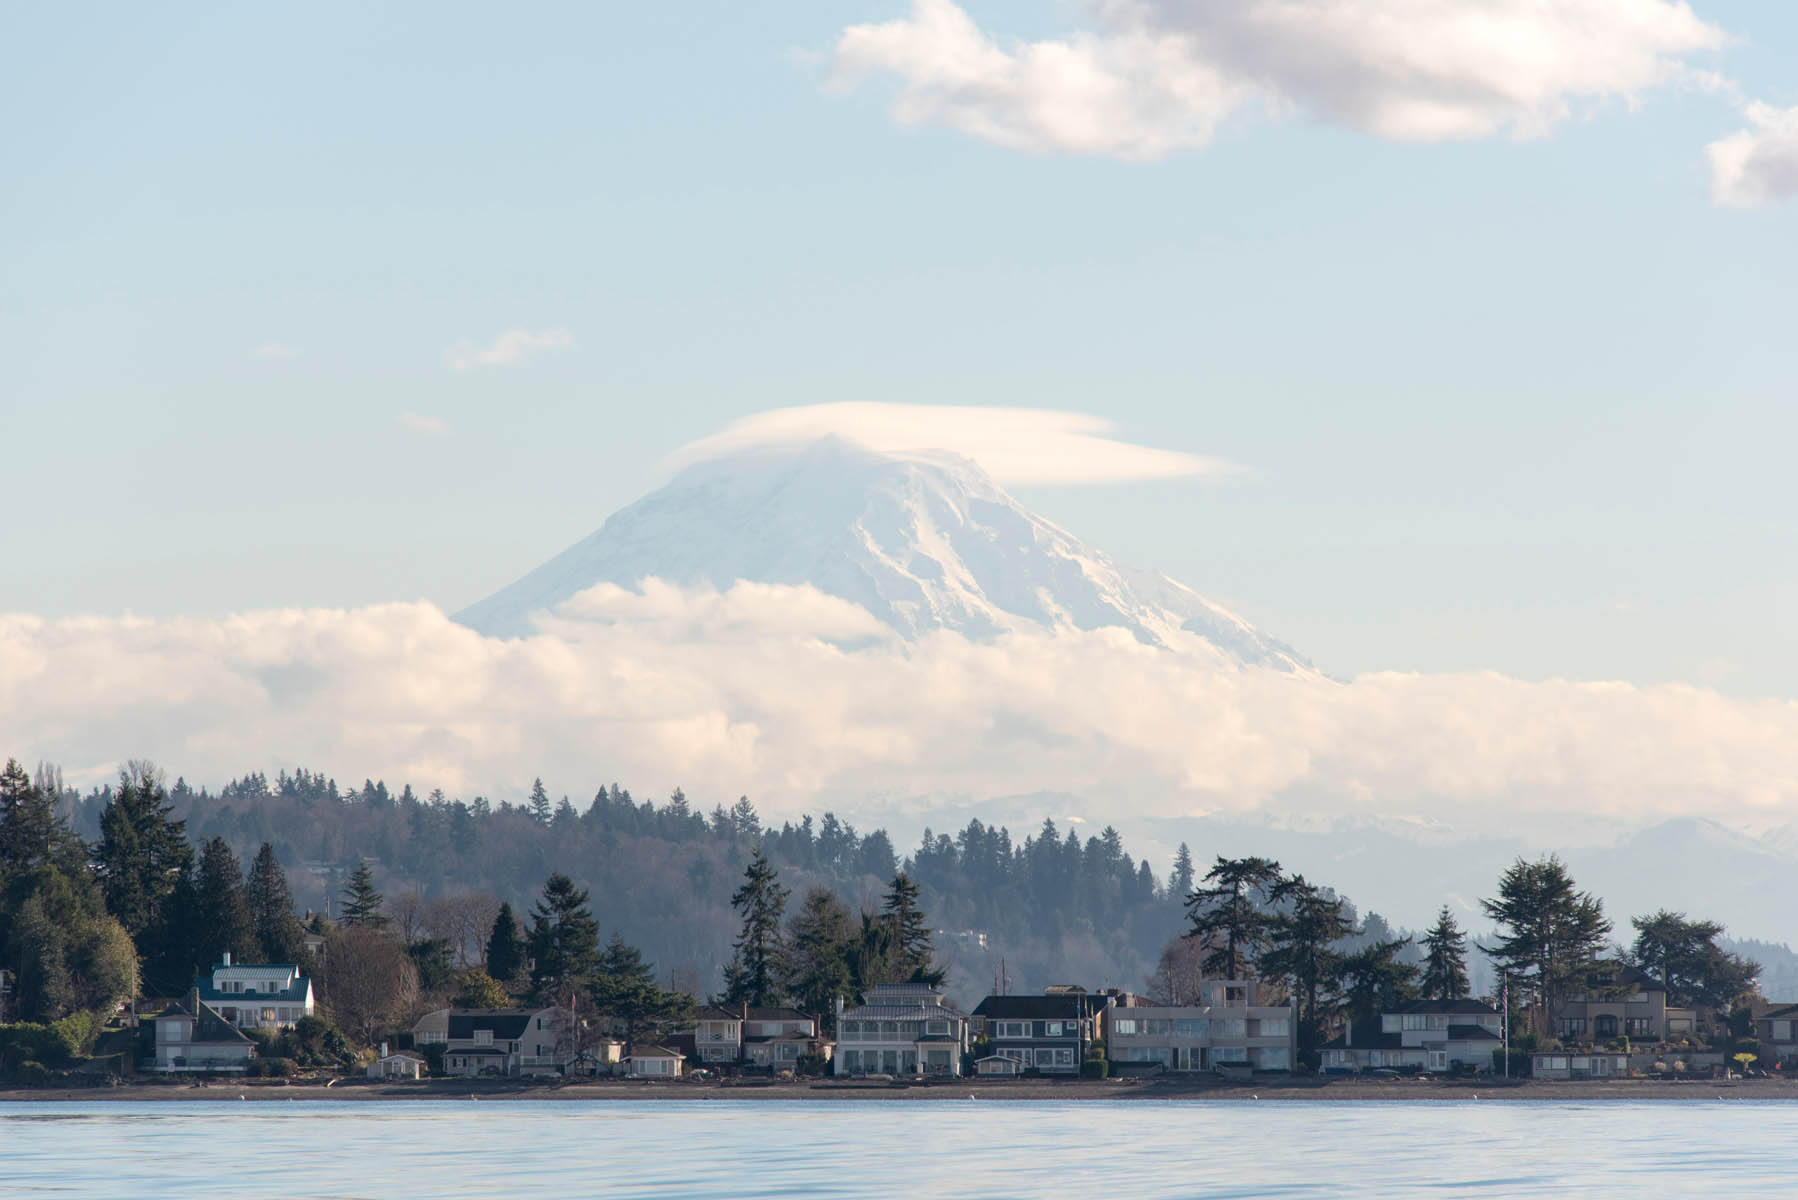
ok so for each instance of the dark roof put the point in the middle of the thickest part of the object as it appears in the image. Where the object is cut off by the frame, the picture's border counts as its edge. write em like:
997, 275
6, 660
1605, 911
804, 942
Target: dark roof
1607, 975
477, 1050
683, 1043
647, 1051
1779, 1010
209, 1026
1472, 1033
1031, 1008
712, 1012
505, 1023
1368, 1037
1464, 1007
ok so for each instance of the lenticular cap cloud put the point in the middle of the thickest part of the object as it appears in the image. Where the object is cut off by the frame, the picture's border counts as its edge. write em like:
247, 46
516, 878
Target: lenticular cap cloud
1015, 446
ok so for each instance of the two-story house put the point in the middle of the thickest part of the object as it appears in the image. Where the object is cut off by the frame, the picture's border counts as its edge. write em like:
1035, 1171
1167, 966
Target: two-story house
775, 1038
257, 995
1048, 1033
1432, 1035
1621, 1002
499, 1041
900, 1029
1776, 1025
1230, 1029
190, 1035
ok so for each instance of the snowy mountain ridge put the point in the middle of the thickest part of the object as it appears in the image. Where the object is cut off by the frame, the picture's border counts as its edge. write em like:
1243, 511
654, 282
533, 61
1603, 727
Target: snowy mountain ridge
923, 540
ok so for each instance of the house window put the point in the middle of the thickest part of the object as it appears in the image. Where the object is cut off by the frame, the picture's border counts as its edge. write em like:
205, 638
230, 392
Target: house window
1273, 1058
1230, 1054
1275, 1027
1053, 1029
1415, 1021
1012, 1029
1230, 1027
1199, 1028
1782, 1031
1124, 1025
1573, 1026
483, 1037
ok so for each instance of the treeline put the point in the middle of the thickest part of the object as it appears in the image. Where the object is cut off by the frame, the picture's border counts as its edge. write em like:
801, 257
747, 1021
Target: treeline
1054, 906
1249, 918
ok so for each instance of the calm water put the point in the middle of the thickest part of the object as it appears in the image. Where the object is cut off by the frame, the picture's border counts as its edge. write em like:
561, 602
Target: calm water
745, 1149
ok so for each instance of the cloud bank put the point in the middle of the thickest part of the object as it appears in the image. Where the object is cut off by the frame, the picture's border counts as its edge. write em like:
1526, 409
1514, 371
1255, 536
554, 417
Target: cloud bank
512, 348
1015, 446
1757, 166
1152, 77
799, 699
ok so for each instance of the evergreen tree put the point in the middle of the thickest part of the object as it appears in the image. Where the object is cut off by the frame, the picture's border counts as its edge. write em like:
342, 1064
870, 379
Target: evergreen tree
361, 902
1684, 956
142, 852
624, 962
505, 949
563, 942
539, 803
1374, 980
1179, 883
1300, 952
820, 940
32, 833
754, 973
278, 933
221, 912
1550, 933
1230, 916
1444, 960
624, 988
911, 932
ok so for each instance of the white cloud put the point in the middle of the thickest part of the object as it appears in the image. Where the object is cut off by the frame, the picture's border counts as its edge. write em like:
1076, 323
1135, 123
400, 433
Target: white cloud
422, 425
511, 348
1156, 76
1757, 166
274, 350
1016, 446
751, 691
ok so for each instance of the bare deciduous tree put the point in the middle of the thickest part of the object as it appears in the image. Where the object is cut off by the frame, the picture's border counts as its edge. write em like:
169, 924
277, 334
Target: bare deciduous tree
370, 983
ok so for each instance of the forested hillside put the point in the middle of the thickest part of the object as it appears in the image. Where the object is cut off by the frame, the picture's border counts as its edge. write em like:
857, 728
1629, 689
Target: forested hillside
1053, 908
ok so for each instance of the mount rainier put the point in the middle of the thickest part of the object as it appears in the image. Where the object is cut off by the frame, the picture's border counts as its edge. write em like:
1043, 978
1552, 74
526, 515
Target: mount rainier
923, 540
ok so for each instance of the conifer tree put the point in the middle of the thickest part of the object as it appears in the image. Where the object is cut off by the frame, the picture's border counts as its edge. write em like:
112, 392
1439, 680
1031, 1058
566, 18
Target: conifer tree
820, 940
1180, 881
361, 902
539, 803
563, 943
911, 932
505, 949
1444, 960
1300, 952
278, 933
142, 853
753, 975
1550, 933
221, 913
1230, 916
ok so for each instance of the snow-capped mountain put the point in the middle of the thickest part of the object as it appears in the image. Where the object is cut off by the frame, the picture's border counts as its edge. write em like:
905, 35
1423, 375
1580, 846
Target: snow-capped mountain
922, 540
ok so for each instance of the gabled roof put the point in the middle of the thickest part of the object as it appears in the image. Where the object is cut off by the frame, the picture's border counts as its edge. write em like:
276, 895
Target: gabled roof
645, 1051
1032, 1008
293, 992
507, 1023
1472, 1033
209, 1026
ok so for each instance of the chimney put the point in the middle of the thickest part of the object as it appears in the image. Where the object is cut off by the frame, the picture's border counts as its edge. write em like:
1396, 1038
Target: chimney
227, 958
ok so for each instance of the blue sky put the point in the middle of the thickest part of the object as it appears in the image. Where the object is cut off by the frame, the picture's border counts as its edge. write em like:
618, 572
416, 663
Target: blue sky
1522, 405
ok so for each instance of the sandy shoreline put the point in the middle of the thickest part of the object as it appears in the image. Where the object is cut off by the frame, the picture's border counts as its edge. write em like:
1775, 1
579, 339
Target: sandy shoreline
355, 1091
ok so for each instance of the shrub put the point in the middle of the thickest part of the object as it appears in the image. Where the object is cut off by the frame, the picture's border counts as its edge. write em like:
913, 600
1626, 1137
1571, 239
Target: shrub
1095, 1068
32, 1073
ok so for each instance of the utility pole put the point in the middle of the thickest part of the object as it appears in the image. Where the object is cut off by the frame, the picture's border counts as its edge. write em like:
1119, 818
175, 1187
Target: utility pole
1504, 996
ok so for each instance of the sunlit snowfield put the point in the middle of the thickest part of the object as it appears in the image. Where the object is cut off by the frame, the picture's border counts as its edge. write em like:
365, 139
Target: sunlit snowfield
738, 1148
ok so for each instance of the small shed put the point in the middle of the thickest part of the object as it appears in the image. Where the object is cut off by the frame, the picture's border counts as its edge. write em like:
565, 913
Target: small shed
997, 1066
401, 1064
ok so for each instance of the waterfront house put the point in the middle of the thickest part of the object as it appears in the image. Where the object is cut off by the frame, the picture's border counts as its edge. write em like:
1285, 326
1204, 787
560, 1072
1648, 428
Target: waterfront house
1231, 1029
190, 1035
498, 1041
257, 995
997, 1066
1620, 1001
775, 1038
1430, 1035
1560, 1064
900, 1029
1776, 1025
1049, 1033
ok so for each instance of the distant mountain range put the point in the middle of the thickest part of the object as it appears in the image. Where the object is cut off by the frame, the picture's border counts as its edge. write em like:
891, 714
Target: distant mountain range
924, 541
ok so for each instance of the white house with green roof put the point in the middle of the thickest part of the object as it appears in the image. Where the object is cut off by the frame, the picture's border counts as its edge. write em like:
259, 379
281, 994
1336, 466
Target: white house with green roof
257, 995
